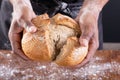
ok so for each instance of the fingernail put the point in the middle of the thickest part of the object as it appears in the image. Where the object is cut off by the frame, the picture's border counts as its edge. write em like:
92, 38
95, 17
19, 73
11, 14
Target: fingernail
32, 29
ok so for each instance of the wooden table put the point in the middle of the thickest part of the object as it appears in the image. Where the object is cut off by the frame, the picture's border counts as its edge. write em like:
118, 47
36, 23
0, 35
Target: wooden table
105, 65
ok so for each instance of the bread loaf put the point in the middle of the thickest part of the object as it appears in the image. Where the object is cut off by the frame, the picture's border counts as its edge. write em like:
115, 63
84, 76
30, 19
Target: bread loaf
56, 40
71, 53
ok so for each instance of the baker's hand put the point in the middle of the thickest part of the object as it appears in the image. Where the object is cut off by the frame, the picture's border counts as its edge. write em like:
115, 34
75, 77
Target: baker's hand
87, 20
22, 16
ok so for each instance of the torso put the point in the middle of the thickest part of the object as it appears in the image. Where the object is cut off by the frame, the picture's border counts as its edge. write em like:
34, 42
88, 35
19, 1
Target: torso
56, 6
67, 1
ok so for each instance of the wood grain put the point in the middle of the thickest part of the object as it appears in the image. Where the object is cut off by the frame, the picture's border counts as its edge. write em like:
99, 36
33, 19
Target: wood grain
105, 65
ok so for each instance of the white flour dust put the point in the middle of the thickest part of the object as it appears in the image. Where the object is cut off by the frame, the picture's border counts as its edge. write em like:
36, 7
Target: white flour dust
14, 68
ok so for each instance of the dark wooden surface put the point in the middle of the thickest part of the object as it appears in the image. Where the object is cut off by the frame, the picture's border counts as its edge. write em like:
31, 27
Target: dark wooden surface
105, 65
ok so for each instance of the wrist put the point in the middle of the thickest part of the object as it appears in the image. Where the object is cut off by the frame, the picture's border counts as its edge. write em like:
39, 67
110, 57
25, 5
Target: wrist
17, 4
94, 5
89, 10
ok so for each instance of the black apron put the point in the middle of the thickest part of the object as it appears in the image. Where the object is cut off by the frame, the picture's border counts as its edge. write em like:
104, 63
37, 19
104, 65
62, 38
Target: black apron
67, 7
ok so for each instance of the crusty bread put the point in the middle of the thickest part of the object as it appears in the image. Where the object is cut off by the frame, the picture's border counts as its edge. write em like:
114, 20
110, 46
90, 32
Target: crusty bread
66, 21
72, 53
55, 40
38, 46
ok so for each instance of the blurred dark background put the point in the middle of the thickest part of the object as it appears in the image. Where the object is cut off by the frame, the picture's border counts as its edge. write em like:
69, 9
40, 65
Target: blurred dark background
0, 2
111, 21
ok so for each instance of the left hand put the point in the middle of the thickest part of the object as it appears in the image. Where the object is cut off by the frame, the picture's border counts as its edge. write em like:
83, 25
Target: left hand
87, 20
21, 20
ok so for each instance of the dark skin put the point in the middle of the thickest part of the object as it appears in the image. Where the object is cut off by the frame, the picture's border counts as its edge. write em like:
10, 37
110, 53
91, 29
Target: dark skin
87, 19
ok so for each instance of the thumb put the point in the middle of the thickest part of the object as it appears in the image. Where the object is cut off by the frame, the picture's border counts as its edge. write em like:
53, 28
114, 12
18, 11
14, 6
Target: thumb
84, 39
86, 35
83, 42
29, 27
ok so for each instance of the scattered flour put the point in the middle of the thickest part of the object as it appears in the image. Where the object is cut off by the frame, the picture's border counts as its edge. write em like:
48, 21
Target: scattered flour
12, 69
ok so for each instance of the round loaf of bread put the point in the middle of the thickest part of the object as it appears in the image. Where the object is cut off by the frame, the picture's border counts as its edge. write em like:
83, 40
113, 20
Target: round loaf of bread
56, 40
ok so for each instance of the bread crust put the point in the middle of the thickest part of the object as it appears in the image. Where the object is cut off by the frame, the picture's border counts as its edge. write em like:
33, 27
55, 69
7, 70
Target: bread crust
37, 45
67, 21
72, 53
55, 39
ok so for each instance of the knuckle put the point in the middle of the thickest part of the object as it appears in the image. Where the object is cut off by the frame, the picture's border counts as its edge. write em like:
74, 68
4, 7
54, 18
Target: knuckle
14, 50
96, 44
86, 36
10, 35
20, 22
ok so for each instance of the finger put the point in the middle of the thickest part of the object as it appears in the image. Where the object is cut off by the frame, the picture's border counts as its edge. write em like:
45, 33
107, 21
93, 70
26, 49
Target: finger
27, 25
16, 47
87, 58
15, 39
87, 33
84, 40
93, 45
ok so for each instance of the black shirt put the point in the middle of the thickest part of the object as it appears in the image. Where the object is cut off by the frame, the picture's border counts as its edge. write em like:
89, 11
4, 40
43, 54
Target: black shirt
67, 1
67, 7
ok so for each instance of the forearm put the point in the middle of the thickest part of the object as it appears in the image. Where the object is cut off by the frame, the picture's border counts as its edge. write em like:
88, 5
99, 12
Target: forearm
18, 3
96, 5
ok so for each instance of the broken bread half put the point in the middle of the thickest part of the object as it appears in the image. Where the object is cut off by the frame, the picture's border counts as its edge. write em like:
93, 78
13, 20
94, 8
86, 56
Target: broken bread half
56, 39
72, 53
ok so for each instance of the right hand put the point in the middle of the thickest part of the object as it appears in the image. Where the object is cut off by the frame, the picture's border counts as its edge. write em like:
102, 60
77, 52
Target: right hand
22, 16
88, 20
